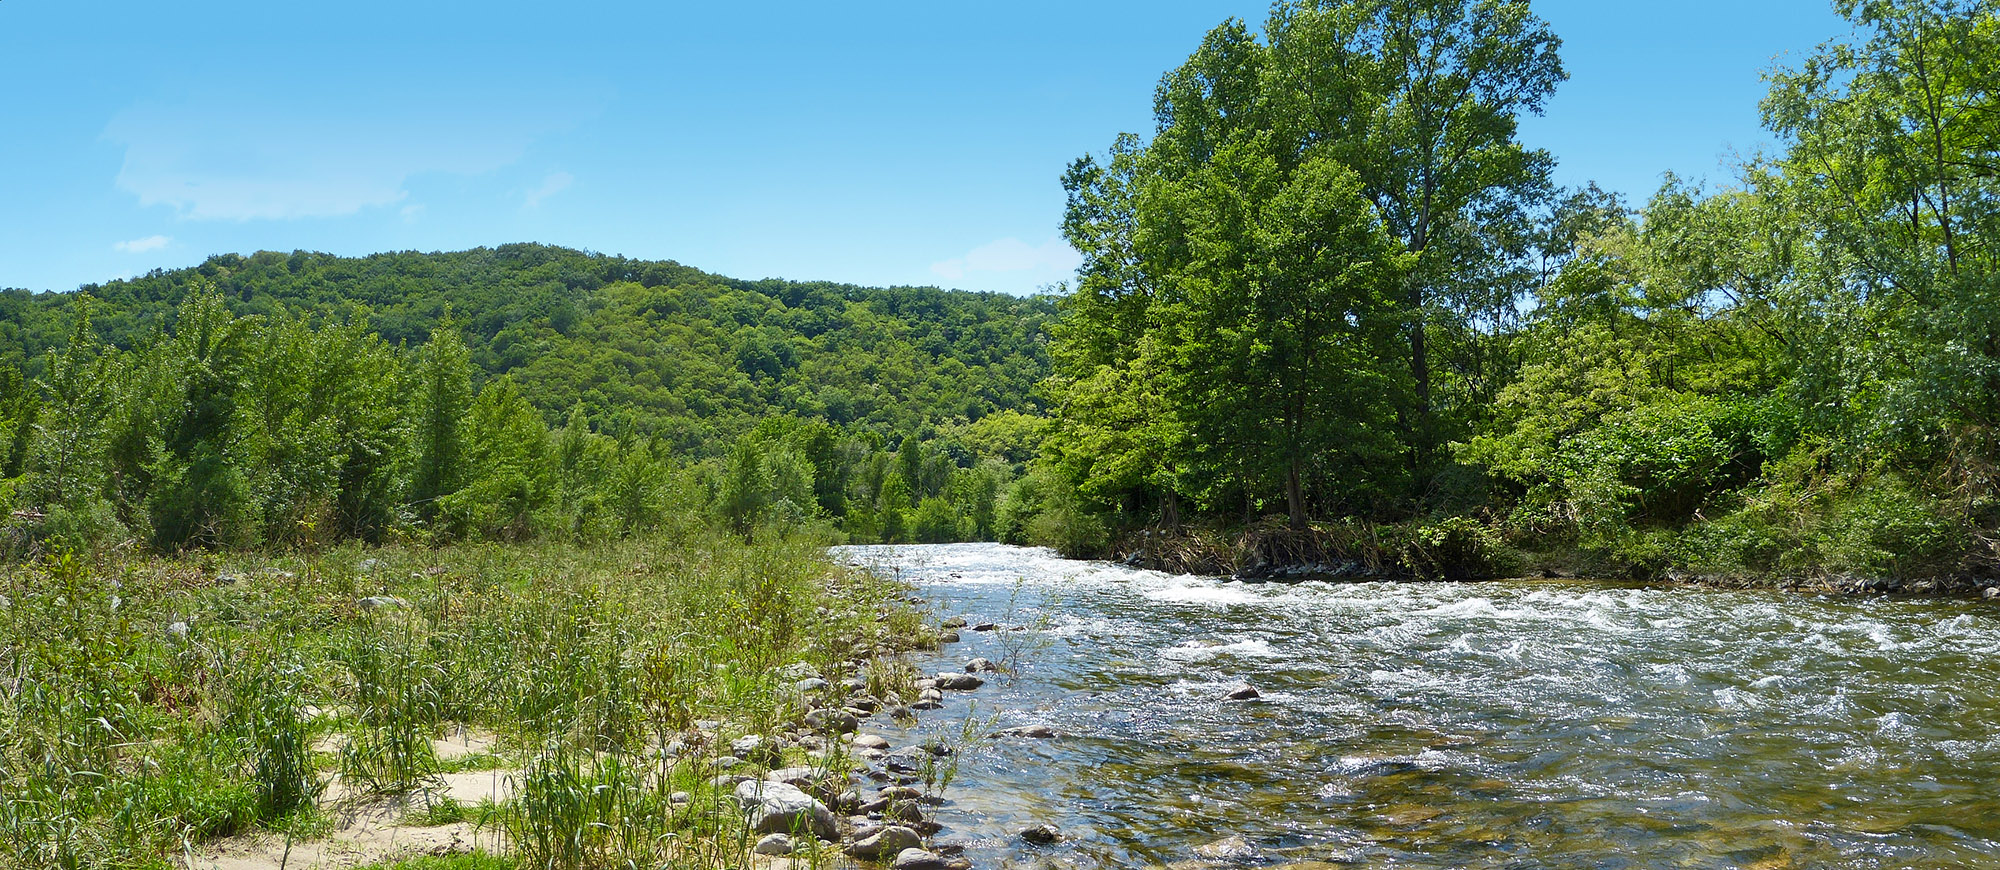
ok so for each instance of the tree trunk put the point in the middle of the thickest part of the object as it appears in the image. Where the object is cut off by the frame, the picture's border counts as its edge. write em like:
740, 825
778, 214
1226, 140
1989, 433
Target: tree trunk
1295, 496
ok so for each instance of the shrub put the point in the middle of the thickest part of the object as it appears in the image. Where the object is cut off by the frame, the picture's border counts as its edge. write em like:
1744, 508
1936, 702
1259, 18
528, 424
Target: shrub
1456, 548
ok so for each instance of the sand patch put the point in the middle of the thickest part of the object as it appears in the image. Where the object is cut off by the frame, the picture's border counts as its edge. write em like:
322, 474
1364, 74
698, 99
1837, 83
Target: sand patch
474, 786
461, 742
364, 835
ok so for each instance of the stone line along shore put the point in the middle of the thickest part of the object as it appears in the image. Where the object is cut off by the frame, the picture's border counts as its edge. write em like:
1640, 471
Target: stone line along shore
879, 811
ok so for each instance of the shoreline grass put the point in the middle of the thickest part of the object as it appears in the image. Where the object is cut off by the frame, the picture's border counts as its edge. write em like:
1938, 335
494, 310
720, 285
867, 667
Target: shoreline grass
153, 706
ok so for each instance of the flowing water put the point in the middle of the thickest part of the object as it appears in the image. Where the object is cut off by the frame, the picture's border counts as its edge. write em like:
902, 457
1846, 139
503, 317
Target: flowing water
1518, 724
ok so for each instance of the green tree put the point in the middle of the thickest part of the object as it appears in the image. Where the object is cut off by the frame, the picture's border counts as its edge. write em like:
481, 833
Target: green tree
441, 392
200, 491
1421, 98
509, 477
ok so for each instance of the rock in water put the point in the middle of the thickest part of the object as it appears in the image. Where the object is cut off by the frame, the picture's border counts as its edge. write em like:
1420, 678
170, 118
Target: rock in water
1037, 732
959, 682
1227, 848
1246, 693
918, 859
980, 665
777, 808
1042, 835
892, 840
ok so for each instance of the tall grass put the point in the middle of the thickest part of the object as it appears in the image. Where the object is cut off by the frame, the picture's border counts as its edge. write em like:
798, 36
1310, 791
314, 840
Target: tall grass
150, 705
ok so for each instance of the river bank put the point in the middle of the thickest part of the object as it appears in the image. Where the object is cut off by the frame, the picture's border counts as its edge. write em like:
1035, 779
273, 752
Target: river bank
663, 700
1456, 550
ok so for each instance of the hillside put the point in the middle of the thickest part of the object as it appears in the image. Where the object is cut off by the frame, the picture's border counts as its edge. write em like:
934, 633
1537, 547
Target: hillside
643, 347
524, 391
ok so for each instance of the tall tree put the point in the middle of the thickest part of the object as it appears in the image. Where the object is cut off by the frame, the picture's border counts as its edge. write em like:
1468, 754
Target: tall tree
441, 390
1421, 99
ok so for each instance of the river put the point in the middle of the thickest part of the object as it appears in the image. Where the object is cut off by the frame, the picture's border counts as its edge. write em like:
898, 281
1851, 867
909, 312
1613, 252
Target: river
1510, 724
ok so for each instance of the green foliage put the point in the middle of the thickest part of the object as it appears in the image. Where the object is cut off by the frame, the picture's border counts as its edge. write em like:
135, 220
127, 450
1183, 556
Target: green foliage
1281, 287
1456, 548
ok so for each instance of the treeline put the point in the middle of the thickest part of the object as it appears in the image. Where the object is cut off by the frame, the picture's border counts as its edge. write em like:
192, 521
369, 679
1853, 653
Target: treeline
253, 414
1333, 285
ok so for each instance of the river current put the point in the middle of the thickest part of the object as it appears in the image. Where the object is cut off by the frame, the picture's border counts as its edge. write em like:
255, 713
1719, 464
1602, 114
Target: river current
1509, 724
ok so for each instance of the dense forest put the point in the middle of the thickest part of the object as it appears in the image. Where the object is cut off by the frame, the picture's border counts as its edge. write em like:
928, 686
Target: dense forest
1334, 285
1331, 301
510, 393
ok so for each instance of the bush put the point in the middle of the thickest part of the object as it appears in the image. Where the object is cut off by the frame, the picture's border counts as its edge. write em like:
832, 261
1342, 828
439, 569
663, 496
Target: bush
936, 522
1457, 548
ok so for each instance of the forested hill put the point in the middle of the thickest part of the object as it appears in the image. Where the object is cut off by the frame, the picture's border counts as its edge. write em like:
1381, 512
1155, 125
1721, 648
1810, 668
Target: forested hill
650, 348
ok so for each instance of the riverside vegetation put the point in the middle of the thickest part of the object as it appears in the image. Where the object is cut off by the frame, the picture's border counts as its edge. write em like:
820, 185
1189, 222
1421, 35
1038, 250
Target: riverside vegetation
620, 693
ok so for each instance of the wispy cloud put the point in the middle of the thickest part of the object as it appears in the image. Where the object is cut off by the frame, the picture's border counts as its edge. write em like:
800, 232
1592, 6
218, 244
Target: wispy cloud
140, 246
261, 157
1052, 260
555, 183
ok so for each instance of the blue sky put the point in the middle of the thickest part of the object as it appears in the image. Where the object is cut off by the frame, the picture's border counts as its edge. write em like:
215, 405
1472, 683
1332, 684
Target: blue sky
888, 143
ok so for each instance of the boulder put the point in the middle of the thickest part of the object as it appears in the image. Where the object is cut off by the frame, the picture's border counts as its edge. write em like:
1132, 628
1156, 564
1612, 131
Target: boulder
1041, 835
777, 808
1227, 848
892, 840
756, 748
1034, 732
918, 859
832, 721
959, 682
